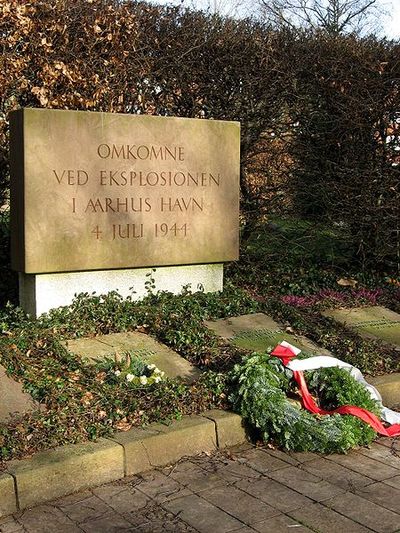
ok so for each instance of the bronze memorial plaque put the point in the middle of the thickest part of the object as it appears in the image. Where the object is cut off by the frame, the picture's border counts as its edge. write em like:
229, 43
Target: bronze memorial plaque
94, 191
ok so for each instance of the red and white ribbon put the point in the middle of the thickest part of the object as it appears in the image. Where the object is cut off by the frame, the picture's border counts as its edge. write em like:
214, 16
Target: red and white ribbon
287, 353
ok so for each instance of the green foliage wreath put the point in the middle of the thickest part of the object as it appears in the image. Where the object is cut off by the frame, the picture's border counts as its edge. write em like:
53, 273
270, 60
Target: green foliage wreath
262, 391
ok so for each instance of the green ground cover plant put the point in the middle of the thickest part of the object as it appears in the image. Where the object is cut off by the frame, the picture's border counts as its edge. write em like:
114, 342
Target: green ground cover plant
82, 401
294, 257
88, 401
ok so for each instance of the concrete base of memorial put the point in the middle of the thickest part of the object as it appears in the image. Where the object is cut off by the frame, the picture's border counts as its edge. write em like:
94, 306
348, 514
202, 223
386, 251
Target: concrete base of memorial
38, 293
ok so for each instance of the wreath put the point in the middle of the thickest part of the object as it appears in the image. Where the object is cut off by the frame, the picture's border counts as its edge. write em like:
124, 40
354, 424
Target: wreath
266, 396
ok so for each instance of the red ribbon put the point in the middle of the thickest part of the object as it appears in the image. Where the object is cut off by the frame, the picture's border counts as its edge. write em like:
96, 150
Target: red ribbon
309, 402
284, 353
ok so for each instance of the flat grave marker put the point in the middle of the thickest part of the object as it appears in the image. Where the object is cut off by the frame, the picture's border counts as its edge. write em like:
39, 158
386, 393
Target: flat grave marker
372, 322
12, 397
258, 332
152, 351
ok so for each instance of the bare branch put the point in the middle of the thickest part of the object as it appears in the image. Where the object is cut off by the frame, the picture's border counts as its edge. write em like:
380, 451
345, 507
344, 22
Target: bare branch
332, 16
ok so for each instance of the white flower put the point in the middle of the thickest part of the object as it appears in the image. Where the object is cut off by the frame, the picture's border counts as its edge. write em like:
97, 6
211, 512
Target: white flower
162, 374
117, 372
151, 367
143, 380
157, 371
129, 377
157, 379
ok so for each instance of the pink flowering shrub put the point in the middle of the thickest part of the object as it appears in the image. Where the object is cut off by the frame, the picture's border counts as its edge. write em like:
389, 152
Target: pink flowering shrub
330, 298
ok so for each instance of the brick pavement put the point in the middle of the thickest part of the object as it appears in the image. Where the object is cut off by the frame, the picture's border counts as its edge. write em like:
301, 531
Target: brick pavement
241, 490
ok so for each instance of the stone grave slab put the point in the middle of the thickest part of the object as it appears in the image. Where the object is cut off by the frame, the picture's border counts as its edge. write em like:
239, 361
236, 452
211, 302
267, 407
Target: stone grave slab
371, 322
258, 332
92, 349
12, 398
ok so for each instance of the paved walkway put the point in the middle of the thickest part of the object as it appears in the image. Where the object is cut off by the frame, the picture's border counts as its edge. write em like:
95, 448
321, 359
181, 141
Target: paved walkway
242, 490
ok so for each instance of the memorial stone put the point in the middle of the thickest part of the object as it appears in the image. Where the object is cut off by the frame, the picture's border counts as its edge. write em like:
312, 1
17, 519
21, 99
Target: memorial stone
98, 200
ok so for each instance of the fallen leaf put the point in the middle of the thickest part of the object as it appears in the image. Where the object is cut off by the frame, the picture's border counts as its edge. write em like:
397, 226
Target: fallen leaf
87, 398
347, 282
100, 377
123, 425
